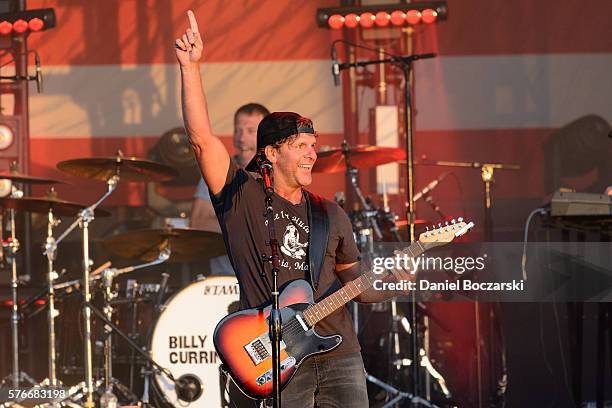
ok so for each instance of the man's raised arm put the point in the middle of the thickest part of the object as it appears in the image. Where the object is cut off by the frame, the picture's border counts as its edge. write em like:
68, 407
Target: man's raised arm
211, 154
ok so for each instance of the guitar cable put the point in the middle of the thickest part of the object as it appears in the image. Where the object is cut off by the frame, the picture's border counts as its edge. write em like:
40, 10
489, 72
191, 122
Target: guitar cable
540, 211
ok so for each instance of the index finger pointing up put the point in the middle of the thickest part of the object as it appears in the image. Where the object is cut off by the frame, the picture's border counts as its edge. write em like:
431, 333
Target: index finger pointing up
192, 21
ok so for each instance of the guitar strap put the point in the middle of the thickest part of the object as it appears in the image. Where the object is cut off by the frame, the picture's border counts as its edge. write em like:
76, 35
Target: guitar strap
318, 221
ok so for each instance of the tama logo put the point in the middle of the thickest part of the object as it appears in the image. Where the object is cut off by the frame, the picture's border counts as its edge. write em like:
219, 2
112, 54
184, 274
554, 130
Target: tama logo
218, 290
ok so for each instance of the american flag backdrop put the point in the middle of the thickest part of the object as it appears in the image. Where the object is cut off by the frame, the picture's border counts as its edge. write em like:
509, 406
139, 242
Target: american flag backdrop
508, 74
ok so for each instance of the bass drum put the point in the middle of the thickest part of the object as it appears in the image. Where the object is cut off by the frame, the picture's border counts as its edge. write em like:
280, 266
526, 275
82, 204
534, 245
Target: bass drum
182, 339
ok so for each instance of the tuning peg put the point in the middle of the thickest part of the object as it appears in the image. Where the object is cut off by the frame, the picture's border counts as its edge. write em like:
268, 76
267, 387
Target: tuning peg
460, 219
439, 225
453, 221
446, 223
426, 228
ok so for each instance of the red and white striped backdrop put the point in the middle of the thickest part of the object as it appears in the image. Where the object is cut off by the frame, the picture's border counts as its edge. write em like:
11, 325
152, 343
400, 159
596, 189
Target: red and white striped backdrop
508, 73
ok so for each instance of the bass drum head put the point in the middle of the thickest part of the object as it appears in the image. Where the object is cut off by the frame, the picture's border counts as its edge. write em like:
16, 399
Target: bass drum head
182, 340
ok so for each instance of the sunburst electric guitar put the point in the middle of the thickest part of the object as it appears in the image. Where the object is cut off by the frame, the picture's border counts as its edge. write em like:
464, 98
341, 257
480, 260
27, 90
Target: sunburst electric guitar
242, 340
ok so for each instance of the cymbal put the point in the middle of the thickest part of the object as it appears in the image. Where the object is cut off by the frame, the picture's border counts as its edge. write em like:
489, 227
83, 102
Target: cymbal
42, 205
127, 168
363, 156
18, 177
185, 244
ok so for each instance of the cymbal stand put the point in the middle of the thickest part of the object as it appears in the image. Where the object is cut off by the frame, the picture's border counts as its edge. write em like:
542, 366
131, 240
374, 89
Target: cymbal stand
107, 278
398, 394
13, 247
485, 310
51, 252
85, 217
368, 214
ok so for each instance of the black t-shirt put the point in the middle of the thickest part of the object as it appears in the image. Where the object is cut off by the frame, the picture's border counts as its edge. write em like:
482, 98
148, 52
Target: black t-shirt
240, 208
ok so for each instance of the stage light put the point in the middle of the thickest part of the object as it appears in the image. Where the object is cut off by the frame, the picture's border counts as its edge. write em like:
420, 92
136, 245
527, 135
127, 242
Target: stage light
34, 20
429, 16
20, 26
413, 17
398, 18
36, 24
366, 20
382, 19
336, 21
351, 20
381, 15
6, 28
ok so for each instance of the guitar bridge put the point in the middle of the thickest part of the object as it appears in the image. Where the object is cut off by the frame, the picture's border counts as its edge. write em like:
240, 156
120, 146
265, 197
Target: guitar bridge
260, 349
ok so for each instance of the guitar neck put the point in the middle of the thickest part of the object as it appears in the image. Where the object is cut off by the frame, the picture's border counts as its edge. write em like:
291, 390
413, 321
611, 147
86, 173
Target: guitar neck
319, 311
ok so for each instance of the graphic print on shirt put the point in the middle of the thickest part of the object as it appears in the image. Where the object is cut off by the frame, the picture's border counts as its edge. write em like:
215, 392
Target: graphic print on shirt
294, 243
291, 243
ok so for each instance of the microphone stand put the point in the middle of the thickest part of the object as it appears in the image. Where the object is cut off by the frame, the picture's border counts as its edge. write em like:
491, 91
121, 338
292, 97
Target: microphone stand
274, 321
405, 63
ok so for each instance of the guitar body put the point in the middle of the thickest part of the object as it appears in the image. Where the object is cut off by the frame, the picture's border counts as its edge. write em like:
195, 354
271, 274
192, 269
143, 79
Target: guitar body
242, 342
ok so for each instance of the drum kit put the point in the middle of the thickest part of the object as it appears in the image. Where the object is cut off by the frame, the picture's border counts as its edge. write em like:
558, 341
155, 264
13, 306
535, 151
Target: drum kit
178, 339
175, 358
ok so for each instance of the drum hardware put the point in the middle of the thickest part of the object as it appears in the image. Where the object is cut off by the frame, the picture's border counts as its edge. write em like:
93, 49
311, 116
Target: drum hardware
132, 288
51, 251
186, 244
483, 309
398, 395
107, 278
12, 247
158, 369
367, 224
85, 217
75, 284
111, 170
486, 174
146, 370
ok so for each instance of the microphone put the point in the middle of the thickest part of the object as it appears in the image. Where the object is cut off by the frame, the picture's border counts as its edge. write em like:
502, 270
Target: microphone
39, 76
162, 291
265, 169
429, 187
335, 66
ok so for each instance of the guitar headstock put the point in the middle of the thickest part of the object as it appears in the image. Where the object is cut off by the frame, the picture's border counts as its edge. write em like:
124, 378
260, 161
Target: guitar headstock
444, 234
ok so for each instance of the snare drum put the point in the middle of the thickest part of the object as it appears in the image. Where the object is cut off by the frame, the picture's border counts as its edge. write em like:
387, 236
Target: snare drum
182, 339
